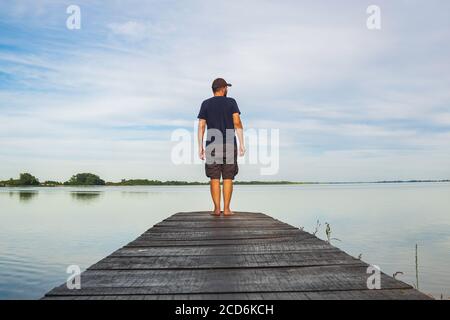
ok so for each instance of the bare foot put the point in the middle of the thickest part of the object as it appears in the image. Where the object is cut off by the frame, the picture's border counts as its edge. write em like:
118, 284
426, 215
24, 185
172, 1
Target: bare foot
228, 213
215, 213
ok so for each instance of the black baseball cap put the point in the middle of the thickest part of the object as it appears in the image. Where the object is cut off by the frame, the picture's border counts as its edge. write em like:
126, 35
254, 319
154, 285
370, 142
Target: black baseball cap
220, 83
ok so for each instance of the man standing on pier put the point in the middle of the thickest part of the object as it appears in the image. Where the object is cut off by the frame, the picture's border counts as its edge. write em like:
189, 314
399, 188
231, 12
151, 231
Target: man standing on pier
221, 116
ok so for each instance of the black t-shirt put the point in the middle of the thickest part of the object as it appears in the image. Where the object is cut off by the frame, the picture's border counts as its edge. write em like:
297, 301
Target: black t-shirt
218, 113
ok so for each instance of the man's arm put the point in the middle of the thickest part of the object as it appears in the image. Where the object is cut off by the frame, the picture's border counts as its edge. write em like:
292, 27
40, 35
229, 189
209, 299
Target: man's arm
201, 133
240, 132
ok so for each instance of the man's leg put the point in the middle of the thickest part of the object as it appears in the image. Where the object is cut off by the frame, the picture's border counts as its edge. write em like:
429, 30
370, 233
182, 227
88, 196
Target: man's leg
215, 194
227, 192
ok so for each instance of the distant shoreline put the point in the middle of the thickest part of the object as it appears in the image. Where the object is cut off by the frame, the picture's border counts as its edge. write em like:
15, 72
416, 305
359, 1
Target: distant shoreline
90, 179
255, 183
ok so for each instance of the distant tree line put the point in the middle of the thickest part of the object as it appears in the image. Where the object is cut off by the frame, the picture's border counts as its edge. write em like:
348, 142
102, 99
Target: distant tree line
90, 179
81, 179
25, 179
146, 182
85, 179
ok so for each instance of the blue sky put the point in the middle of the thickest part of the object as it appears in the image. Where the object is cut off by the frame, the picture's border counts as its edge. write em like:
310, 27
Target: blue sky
350, 103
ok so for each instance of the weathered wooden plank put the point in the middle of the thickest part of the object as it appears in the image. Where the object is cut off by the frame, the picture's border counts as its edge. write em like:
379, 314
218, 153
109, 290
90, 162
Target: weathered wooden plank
213, 242
391, 294
304, 279
202, 213
209, 218
312, 244
218, 234
216, 229
222, 223
206, 216
224, 227
226, 261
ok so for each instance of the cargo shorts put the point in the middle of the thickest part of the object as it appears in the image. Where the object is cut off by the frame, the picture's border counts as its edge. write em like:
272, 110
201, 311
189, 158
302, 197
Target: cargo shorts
221, 161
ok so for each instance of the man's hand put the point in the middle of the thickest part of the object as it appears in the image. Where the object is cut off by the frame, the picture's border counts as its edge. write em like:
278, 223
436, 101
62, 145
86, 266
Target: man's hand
201, 153
240, 132
201, 133
241, 150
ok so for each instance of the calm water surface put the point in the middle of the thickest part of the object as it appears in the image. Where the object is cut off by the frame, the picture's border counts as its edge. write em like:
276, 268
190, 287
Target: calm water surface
44, 230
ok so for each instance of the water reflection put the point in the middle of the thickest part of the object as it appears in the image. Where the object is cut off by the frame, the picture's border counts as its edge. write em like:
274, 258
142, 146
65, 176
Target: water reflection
23, 195
85, 196
82, 225
136, 194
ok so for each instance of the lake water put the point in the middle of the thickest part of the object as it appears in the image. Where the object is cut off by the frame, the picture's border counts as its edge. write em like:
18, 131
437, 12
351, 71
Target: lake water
44, 230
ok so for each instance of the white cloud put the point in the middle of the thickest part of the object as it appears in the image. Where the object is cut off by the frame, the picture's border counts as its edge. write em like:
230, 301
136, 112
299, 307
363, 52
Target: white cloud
139, 30
131, 29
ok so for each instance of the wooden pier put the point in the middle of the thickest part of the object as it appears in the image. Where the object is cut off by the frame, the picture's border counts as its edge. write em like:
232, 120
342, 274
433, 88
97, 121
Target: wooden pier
193, 255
